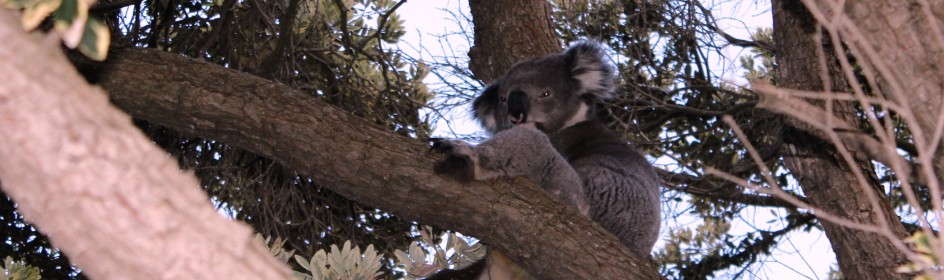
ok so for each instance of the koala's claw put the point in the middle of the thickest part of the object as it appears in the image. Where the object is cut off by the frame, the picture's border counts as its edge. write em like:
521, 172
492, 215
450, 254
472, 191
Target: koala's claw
459, 162
440, 145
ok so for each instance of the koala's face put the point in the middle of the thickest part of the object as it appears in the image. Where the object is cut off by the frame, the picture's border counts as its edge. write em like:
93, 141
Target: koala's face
548, 93
538, 93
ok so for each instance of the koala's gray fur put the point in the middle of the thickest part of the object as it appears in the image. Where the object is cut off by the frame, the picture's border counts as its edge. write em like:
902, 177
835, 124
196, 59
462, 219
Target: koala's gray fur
541, 116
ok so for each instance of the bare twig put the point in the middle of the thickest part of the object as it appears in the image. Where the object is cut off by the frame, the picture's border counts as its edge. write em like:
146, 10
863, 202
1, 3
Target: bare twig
780, 100
898, 89
882, 228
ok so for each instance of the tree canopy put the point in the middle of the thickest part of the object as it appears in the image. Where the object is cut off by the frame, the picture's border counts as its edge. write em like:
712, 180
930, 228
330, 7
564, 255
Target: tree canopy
305, 120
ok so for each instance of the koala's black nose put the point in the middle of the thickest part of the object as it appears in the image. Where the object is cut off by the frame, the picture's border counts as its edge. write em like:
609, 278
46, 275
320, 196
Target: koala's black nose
518, 107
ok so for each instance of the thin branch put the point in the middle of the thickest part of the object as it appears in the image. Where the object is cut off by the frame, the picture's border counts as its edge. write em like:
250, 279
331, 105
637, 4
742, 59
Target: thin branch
766, 241
882, 227
775, 189
728, 191
780, 100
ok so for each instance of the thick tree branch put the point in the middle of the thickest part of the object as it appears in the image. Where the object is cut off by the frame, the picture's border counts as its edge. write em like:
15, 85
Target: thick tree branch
103, 193
364, 162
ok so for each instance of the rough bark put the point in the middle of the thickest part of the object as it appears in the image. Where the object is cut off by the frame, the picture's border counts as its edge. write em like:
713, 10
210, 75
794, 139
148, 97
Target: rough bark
827, 181
903, 41
363, 162
508, 31
103, 193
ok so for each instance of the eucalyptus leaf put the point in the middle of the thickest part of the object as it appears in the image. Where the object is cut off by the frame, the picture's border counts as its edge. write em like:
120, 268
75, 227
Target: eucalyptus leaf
39, 10
70, 21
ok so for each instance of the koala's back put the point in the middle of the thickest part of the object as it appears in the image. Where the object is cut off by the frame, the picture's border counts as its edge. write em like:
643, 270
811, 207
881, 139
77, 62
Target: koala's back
620, 184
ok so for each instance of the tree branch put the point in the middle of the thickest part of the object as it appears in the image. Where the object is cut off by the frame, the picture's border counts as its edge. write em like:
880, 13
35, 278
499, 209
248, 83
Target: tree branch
815, 121
702, 187
103, 193
364, 162
747, 251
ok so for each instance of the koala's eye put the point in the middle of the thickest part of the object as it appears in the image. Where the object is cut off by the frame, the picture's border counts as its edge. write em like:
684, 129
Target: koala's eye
503, 99
546, 93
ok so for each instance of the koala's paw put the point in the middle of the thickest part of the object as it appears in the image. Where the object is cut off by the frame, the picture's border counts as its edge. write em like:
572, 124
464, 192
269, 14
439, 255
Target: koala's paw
460, 162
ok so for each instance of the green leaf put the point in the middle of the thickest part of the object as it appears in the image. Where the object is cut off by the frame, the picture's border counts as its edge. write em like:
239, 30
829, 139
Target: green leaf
17, 4
95, 40
35, 13
14, 270
70, 21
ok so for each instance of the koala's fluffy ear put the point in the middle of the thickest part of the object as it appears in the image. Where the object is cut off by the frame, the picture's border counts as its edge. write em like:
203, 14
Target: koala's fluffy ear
587, 63
486, 105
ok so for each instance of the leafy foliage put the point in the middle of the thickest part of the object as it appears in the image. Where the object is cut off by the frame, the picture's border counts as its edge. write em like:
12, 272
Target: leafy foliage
276, 247
70, 19
13, 270
346, 263
415, 261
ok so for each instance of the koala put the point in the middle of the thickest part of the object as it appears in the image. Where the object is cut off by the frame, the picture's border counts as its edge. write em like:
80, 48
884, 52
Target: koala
541, 118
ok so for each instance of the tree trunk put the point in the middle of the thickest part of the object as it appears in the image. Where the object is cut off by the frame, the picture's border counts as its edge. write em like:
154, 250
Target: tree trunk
903, 41
508, 31
103, 193
827, 181
363, 162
